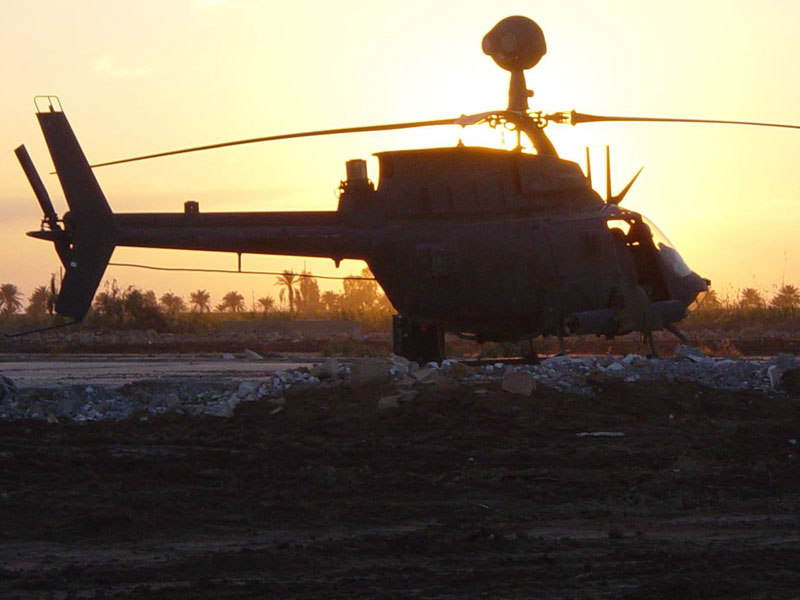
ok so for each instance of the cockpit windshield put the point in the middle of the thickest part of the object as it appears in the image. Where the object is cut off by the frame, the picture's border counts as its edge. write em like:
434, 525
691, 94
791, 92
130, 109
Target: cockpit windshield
645, 253
670, 259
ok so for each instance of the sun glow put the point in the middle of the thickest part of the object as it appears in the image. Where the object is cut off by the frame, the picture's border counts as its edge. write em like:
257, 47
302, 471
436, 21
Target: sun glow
170, 75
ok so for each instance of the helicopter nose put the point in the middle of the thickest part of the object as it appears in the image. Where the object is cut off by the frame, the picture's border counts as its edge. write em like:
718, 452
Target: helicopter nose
691, 289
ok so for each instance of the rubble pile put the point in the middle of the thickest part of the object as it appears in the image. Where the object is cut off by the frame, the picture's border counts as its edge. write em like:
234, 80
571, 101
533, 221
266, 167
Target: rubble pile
217, 398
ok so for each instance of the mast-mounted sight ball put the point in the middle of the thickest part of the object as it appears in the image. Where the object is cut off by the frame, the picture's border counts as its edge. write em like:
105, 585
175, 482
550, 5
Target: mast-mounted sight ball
515, 43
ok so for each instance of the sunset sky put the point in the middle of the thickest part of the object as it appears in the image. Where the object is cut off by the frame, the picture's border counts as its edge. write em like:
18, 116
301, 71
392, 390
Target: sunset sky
137, 78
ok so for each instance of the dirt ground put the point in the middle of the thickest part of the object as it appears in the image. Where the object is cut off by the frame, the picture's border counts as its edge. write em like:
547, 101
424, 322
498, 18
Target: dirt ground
465, 493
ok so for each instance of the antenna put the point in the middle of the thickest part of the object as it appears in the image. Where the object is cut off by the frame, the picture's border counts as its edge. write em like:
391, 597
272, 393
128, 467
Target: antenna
588, 166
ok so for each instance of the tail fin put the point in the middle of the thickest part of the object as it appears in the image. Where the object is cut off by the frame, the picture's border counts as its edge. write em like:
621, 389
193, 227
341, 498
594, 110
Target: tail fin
89, 223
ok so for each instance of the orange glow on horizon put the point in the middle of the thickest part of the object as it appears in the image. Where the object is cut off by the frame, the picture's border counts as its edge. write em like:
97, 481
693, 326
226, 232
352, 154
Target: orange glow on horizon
168, 75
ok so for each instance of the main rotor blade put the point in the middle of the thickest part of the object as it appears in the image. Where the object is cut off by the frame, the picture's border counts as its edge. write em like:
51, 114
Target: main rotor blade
574, 118
288, 136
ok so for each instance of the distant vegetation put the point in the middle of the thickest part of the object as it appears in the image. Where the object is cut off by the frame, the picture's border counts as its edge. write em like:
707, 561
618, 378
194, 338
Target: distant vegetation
113, 308
299, 297
750, 309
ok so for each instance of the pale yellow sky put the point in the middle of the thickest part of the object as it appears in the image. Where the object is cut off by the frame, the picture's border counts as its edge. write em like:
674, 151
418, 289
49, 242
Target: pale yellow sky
151, 76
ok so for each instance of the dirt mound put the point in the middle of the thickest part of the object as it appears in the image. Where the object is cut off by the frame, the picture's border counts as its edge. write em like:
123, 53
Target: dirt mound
471, 492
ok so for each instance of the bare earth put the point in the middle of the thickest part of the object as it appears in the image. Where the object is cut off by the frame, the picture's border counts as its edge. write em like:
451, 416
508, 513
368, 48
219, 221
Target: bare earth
461, 493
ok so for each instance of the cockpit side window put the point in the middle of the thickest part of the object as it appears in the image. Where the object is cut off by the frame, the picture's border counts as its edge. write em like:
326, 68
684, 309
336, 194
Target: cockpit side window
637, 237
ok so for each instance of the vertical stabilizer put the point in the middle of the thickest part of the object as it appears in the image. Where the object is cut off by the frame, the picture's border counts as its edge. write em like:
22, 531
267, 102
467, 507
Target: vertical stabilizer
89, 223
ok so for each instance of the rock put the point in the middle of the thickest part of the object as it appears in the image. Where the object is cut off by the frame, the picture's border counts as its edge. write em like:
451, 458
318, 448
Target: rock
443, 382
246, 388
786, 361
774, 374
460, 370
369, 371
790, 381
519, 382
395, 400
7, 388
327, 369
555, 362
141, 397
408, 395
615, 368
632, 359
221, 409
68, 406
435, 378
34, 410
400, 364
404, 381
252, 355
172, 402
389, 402
426, 375
233, 401
228, 356
597, 376
683, 352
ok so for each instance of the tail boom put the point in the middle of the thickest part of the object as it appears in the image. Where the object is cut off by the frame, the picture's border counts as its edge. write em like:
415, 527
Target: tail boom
314, 234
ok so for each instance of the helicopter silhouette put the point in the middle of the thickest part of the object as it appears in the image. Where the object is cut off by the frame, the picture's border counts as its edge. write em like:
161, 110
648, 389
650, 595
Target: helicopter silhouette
488, 244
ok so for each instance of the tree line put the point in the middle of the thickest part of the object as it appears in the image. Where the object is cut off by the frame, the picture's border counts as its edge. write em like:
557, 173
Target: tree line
786, 298
299, 297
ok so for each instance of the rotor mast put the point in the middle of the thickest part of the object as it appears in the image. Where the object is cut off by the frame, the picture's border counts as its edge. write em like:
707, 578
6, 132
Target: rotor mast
516, 44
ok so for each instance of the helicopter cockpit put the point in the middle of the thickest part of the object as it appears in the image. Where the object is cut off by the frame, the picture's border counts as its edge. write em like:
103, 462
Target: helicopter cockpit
660, 269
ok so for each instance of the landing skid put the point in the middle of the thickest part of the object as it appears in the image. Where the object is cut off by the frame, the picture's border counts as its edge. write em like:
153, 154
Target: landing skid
417, 342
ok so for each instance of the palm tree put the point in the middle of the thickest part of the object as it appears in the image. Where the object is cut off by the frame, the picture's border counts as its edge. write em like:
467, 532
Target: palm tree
360, 292
751, 298
173, 303
9, 299
331, 301
232, 302
308, 301
200, 300
788, 297
711, 301
288, 281
267, 303
37, 303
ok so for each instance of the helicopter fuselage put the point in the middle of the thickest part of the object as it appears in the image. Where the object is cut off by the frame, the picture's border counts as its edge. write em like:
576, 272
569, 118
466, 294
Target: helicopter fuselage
491, 243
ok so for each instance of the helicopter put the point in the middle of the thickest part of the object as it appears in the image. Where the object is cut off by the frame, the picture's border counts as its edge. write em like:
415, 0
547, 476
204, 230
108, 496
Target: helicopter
488, 244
